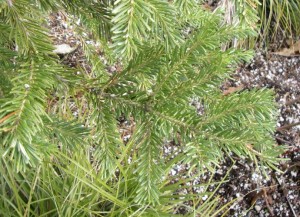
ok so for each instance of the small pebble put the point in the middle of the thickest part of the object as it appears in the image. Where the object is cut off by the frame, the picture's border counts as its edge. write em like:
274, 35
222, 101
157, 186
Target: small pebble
257, 208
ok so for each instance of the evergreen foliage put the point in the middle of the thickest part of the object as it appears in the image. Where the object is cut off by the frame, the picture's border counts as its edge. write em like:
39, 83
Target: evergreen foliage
55, 164
269, 17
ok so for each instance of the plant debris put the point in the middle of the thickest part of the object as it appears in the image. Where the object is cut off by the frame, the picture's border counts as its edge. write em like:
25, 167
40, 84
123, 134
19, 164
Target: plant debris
293, 50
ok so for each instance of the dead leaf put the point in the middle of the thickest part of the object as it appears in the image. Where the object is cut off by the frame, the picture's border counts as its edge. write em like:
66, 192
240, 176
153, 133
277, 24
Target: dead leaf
232, 90
270, 200
293, 50
266, 198
256, 196
207, 7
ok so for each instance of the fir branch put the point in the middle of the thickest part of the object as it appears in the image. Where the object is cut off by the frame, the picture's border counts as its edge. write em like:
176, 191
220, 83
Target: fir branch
95, 16
21, 114
149, 166
138, 21
106, 139
5, 84
68, 134
241, 107
185, 7
160, 74
28, 34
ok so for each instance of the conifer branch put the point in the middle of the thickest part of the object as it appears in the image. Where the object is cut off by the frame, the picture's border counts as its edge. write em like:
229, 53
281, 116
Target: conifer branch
169, 53
149, 168
29, 35
22, 114
132, 21
106, 140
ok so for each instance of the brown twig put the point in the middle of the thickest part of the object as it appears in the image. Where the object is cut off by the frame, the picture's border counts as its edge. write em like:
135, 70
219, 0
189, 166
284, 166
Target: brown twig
286, 197
297, 164
292, 101
265, 196
291, 150
283, 140
288, 126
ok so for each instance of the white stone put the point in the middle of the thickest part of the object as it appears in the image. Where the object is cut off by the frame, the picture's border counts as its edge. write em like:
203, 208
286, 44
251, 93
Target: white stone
204, 198
294, 173
257, 208
63, 49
